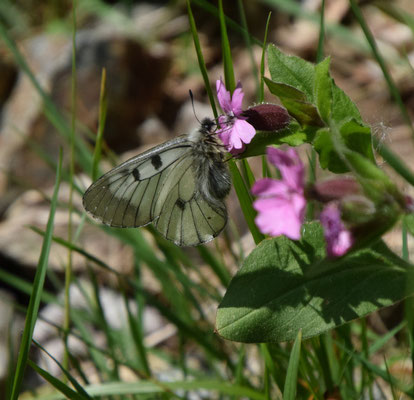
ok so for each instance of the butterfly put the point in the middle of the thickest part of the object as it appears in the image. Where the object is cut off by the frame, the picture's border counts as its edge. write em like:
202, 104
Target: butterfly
178, 186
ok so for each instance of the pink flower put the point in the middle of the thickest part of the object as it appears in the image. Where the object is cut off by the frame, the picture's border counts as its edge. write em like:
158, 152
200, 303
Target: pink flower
281, 204
234, 130
338, 239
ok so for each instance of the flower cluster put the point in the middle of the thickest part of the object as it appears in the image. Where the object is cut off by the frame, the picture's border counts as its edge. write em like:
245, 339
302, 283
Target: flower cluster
234, 130
238, 126
348, 215
281, 205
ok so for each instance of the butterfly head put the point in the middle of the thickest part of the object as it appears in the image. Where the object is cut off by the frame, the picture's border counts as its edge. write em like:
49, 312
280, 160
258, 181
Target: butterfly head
207, 126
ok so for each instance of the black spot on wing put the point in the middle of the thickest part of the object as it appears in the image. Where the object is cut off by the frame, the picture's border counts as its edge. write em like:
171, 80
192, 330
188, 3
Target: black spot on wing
135, 172
156, 161
180, 203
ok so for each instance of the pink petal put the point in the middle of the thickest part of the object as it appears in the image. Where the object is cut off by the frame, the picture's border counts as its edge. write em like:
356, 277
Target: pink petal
277, 217
237, 99
269, 187
224, 135
341, 245
338, 239
290, 166
298, 203
223, 96
235, 141
244, 130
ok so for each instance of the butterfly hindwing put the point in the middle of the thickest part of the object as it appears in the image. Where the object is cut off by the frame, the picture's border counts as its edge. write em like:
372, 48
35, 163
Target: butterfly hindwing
125, 196
185, 217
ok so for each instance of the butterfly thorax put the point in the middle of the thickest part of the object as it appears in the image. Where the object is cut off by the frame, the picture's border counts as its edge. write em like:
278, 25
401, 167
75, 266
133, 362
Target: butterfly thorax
213, 177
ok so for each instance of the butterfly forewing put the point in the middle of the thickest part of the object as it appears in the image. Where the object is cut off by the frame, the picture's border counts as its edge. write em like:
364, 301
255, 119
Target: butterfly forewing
125, 196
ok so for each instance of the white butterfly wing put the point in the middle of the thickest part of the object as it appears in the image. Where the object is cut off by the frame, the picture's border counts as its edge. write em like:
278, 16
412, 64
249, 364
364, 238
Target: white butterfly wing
125, 196
185, 217
158, 186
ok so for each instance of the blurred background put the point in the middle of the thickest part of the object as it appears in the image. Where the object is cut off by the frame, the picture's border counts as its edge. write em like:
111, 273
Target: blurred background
147, 50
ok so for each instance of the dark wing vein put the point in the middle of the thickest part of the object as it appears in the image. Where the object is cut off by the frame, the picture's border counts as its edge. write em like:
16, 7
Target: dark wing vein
128, 204
195, 225
178, 181
142, 196
202, 213
153, 197
113, 195
119, 201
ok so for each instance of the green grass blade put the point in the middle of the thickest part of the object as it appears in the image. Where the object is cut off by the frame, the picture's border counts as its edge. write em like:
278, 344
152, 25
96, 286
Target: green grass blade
200, 57
376, 370
25, 287
262, 60
392, 87
226, 50
57, 384
265, 167
382, 340
271, 365
138, 338
245, 201
248, 42
247, 173
152, 388
394, 161
235, 26
397, 13
289, 391
98, 311
68, 267
71, 379
216, 266
52, 113
37, 289
103, 102
321, 39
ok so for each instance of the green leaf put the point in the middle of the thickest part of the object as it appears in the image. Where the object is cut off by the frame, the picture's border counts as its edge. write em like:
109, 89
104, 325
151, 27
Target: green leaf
292, 71
323, 89
292, 135
289, 391
355, 136
343, 108
328, 157
295, 102
284, 286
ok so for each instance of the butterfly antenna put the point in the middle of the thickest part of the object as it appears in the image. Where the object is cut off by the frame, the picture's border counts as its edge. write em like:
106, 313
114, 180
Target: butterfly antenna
192, 103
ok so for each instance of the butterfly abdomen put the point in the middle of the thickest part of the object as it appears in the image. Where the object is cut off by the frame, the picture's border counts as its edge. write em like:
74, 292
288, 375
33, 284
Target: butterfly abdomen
213, 177
219, 182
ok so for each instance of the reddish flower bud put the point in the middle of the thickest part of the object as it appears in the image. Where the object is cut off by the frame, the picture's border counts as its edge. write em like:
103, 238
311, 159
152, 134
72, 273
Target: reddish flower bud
267, 117
409, 204
333, 189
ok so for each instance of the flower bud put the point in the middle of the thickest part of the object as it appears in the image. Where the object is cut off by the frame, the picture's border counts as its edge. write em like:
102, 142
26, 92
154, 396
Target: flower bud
357, 209
267, 117
333, 189
409, 204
